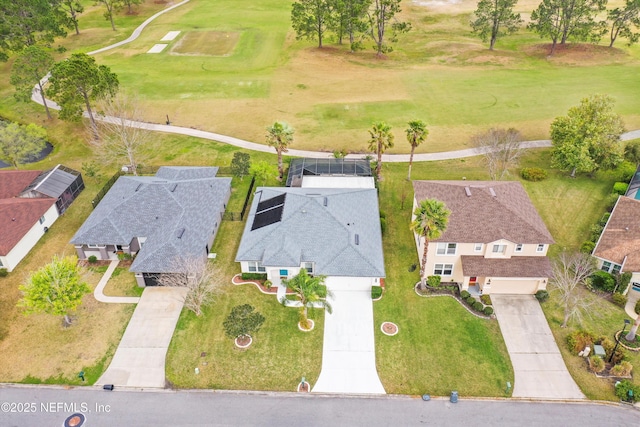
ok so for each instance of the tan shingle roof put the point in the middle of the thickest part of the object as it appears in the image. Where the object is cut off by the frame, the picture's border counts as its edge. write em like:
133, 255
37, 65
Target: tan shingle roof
517, 266
13, 182
17, 216
621, 235
477, 216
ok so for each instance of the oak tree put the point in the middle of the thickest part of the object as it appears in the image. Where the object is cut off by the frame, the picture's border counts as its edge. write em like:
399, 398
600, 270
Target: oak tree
588, 137
310, 19
57, 288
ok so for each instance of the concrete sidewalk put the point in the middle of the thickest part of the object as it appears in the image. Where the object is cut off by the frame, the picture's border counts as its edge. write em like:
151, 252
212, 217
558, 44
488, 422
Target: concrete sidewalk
540, 372
98, 292
348, 352
139, 360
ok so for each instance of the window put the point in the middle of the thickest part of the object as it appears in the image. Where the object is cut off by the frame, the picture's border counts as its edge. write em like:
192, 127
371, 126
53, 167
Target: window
540, 248
610, 267
477, 247
499, 249
92, 246
256, 266
1, 265
443, 269
42, 219
309, 267
446, 249
519, 247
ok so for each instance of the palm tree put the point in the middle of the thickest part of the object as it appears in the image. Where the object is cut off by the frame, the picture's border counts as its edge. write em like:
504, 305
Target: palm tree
310, 291
431, 219
280, 136
381, 139
631, 336
416, 134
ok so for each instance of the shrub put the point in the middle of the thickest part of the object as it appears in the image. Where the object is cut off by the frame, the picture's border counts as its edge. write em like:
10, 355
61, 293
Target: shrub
587, 247
4, 272
254, 276
623, 388
92, 259
596, 364
622, 281
542, 295
486, 299
268, 284
464, 295
603, 281
478, 306
376, 292
383, 225
611, 200
533, 174
578, 340
608, 346
622, 369
470, 300
488, 311
626, 170
637, 307
383, 215
433, 281
620, 188
619, 299
124, 256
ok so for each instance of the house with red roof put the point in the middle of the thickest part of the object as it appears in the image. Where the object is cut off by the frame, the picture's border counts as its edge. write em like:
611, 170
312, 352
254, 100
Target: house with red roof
495, 243
30, 202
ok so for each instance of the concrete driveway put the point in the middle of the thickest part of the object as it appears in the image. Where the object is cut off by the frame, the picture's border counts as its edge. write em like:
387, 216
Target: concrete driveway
540, 372
348, 353
140, 358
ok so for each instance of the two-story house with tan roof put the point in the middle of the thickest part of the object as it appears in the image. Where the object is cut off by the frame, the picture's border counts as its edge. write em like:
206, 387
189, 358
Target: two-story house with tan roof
495, 243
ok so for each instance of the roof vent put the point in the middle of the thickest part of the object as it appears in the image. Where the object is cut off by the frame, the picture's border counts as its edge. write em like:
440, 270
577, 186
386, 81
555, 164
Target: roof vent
492, 192
467, 191
326, 201
138, 187
179, 233
173, 187
357, 239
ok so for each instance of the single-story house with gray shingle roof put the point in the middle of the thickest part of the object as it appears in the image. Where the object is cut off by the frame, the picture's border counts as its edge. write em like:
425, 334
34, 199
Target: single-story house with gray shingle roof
495, 241
618, 248
333, 232
160, 219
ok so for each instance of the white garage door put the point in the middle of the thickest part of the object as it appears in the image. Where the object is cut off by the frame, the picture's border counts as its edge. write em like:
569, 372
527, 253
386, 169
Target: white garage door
341, 283
514, 286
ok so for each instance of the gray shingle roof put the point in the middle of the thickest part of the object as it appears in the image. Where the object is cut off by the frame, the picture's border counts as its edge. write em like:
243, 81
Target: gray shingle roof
486, 211
312, 232
156, 208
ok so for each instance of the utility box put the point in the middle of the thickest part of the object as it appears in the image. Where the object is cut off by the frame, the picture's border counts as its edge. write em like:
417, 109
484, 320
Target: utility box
454, 397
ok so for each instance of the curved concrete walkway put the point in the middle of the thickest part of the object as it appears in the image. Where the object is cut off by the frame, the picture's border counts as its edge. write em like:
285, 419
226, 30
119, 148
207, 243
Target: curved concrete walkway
98, 292
630, 307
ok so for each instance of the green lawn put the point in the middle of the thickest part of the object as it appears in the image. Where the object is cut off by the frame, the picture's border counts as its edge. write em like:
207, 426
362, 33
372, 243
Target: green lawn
602, 318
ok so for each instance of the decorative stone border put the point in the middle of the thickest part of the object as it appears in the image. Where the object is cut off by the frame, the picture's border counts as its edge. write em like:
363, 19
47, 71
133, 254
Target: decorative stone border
306, 385
478, 315
243, 346
390, 334
313, 325
237, 280
617, 335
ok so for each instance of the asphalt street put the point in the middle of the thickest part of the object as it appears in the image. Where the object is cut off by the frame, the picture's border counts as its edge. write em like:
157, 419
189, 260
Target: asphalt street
49, 406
